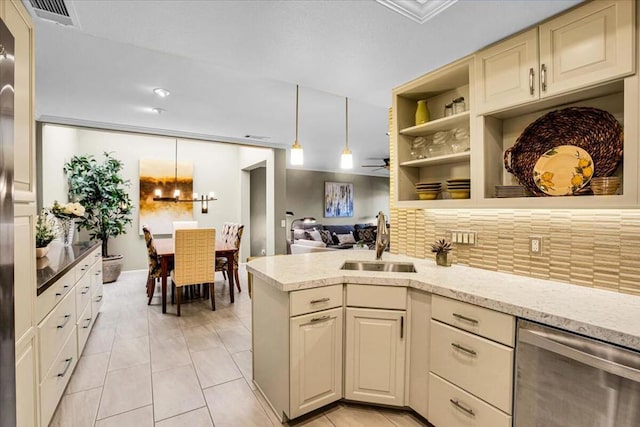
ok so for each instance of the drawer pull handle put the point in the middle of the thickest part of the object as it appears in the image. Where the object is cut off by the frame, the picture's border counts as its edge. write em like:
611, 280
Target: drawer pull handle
65, 286
86, 290
464, 349
320, 319
457, 404
401, 327
67, 317
318, 301
88, 320
543, 74
465, 318
99, 298
58, 294
66, 367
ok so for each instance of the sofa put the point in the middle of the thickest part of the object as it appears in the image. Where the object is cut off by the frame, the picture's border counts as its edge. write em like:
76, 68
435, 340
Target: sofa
321, 238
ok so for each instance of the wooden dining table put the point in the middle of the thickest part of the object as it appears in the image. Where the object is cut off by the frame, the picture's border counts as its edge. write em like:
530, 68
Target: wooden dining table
166, 253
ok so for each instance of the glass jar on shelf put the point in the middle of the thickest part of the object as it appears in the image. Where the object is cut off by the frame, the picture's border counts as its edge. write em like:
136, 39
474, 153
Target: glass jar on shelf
418, 147
448, 110
459, 105
440, 145
459, 141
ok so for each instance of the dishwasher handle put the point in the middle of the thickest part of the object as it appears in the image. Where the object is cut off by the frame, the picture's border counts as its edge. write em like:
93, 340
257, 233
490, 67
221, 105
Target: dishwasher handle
546, 342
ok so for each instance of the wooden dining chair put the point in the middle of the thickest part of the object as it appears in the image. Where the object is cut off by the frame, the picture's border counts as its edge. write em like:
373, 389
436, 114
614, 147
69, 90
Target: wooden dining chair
195, 254
155, 271
232, 235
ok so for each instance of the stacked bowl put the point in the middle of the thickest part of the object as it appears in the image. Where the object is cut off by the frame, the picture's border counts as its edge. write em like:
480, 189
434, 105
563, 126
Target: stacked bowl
459, 188
605, 185
428, 190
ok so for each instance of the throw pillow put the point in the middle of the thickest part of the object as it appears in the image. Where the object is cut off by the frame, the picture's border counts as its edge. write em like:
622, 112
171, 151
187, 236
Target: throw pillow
313, 235
326, 237
367, 234
346, 239
334, 236
298, 234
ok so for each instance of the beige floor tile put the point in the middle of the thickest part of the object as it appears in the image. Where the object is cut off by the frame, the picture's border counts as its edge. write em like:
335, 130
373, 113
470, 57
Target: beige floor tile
132, 328
130, 352
107, 319
402, 418
168, 353
236, 339
90, 373
244, 361
233, 404
141, 417
126, 389
201, 338
176, 391
215, 366
246, 321
356, 416
198, 418
100, 341
77, 409
267, 408
317, 420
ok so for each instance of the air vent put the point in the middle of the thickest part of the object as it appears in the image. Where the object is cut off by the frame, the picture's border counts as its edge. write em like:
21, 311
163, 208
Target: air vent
52, 10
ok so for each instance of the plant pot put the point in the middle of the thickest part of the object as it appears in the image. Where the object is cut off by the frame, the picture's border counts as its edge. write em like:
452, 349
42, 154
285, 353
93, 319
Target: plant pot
442, 259
111, 268
41, 252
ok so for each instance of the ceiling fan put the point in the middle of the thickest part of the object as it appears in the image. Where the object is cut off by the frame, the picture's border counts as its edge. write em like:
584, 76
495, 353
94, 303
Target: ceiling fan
385, 165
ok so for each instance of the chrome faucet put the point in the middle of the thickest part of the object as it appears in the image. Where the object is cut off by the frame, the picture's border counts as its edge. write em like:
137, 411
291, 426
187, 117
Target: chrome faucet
382, 236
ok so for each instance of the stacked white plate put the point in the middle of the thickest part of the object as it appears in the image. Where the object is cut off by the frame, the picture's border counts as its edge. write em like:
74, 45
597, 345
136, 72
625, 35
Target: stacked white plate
459, 188
428, 190
510, 191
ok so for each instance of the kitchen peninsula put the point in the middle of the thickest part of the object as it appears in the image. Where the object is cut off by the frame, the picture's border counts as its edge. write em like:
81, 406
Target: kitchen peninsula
304, 304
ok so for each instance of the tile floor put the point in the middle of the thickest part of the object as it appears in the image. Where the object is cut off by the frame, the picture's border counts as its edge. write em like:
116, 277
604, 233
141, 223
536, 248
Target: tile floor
142, 368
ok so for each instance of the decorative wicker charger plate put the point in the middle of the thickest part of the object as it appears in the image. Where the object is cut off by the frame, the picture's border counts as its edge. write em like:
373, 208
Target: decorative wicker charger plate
595, 131
563, 170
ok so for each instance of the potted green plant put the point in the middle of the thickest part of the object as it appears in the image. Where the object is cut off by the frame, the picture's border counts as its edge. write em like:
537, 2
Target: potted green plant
45, 233
441, 248
100, 188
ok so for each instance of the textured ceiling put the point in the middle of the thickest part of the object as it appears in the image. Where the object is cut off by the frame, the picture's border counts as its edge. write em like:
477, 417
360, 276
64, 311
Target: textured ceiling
232, 66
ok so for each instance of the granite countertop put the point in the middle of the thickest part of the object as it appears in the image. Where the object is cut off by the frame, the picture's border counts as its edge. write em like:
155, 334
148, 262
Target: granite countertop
59, 260
604, 315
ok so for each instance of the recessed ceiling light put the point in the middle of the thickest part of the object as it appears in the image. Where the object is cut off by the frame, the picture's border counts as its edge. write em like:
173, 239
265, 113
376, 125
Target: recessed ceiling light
158, 110
162, 93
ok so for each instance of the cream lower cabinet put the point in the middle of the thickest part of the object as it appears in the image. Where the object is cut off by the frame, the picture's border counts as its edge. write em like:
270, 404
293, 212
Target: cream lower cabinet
316, 355
375, 344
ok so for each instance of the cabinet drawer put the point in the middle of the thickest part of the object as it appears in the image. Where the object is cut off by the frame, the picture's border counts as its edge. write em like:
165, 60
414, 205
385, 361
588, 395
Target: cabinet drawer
84, 266
479, 366
96, 303
83, 327
96, 278
310, 300
390, 297
46, 301
83, 293
56, 378
481, 321
54, 331
451, 406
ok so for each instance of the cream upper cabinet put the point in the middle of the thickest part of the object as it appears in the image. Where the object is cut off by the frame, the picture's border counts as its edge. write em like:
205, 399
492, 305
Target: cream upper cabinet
508, 73
316, 348
584, 47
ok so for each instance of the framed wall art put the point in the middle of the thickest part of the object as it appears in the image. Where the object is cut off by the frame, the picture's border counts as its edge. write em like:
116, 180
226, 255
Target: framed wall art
338, 199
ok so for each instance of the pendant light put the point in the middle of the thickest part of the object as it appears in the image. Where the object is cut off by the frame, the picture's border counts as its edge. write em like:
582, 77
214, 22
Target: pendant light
346, 160
297, 157
204, 199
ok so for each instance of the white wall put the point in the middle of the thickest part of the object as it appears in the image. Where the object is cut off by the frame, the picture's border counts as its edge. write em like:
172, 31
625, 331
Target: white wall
216, 167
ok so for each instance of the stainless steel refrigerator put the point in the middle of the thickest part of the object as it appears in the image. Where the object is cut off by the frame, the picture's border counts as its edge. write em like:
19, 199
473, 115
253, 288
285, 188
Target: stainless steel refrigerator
7, 328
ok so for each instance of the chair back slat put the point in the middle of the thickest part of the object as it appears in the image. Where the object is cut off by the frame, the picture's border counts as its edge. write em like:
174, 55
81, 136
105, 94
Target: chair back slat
195, 252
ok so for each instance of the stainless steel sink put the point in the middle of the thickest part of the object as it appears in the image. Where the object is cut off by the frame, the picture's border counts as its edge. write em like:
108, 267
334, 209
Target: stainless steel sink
397, 267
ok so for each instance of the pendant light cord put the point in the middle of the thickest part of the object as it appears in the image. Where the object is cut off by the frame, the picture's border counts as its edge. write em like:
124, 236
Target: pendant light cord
175, 179
346, 113
296, 113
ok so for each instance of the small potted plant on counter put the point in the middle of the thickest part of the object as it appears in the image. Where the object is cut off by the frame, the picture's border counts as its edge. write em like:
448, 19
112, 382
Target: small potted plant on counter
441, 248
45, 233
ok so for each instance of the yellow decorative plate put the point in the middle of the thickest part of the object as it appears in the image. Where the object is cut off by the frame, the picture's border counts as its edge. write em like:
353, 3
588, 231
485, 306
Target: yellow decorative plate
563, 170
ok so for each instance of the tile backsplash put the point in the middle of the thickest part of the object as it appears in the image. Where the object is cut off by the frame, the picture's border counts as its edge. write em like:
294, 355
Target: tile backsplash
595, 248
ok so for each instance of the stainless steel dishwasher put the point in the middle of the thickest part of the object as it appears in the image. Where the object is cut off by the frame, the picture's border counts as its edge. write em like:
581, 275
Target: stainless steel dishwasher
567, 380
